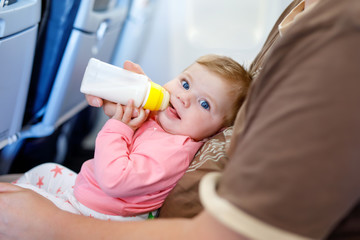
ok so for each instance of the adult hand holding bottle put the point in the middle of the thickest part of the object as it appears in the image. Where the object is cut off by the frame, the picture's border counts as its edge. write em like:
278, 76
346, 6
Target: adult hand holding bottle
110, 107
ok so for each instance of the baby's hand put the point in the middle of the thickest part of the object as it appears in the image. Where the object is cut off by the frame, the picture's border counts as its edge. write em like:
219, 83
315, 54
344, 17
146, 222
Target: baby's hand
130, 115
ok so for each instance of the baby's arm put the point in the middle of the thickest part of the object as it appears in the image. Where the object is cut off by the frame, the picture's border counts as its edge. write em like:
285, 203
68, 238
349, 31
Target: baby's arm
131, 116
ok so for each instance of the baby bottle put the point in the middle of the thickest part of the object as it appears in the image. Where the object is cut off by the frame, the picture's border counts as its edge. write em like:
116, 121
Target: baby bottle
119, 85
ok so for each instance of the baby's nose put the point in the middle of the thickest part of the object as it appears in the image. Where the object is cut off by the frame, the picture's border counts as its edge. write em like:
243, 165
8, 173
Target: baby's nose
185, 99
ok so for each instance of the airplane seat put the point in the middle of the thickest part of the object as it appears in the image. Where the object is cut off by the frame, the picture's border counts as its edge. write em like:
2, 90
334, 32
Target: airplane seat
56, 22
19, 21
75, 31
54, 30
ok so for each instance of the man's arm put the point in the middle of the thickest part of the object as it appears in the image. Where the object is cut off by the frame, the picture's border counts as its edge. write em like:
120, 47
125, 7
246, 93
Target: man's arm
27, 215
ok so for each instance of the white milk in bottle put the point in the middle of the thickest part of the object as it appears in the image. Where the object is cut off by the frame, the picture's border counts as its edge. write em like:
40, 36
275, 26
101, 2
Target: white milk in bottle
119, 85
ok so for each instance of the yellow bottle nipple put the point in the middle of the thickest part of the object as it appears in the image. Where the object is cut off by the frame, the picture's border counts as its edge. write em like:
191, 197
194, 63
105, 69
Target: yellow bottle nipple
158, 98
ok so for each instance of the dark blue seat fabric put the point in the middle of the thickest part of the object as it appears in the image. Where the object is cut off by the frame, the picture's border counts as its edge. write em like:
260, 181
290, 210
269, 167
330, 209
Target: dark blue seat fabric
58, 19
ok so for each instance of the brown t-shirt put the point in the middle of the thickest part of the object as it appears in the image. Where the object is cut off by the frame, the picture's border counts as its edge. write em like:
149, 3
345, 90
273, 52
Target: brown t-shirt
293, 172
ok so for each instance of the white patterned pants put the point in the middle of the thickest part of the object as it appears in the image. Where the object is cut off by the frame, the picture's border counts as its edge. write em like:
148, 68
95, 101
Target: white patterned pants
56, 183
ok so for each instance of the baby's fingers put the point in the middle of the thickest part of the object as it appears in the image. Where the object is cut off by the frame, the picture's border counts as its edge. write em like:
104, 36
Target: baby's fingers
128, 111
143, 115
118, 112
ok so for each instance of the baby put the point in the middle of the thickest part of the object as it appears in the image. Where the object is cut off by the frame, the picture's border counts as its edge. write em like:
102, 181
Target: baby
140, 157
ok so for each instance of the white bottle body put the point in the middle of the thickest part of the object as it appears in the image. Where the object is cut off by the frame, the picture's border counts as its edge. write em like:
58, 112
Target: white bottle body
114, 83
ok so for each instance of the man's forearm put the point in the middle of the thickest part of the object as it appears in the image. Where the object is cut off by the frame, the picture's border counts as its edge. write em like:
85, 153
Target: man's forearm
203, 226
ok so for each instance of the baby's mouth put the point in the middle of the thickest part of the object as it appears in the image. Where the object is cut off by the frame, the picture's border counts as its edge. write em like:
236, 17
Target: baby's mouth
173, 111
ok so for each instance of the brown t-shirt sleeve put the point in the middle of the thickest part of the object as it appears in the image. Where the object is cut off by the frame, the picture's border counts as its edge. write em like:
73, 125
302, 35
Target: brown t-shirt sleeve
295, 169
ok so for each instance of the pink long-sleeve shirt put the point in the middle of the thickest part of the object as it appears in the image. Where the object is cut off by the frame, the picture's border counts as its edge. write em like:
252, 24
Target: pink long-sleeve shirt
132, 173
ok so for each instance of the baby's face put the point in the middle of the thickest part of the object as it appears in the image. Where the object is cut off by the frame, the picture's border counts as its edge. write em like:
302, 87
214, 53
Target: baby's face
199, 101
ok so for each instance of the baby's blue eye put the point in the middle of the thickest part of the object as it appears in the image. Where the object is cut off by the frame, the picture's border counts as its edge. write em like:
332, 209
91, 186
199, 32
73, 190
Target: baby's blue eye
185, 84
204, 104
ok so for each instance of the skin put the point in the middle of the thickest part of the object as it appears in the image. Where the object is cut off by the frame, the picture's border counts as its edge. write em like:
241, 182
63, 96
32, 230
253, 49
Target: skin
199, 102
56, 224
130, 115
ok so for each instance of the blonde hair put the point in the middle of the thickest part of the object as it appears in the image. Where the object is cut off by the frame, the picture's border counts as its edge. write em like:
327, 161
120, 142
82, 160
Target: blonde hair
234, 74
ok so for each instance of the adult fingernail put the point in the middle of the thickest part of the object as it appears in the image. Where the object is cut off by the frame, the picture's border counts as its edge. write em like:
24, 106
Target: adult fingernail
96, 102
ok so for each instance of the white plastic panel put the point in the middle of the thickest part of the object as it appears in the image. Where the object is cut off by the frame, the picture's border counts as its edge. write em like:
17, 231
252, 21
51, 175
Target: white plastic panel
94, 35
236, 28
16, 58
230, 25
134, 34
183, 30
18, 16
67, 96
89, 20
18, 30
